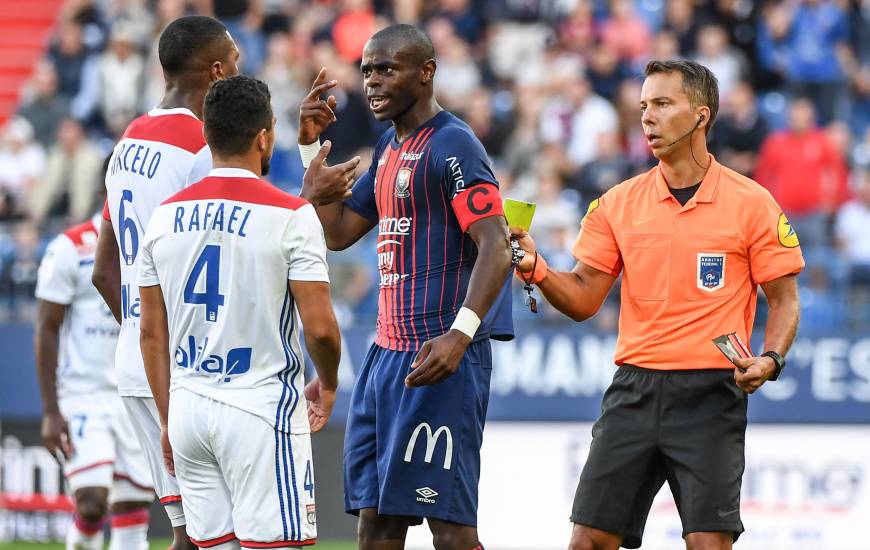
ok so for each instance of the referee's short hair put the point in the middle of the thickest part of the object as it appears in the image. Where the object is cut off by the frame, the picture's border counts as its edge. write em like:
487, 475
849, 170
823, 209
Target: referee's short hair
234, 112
699, 83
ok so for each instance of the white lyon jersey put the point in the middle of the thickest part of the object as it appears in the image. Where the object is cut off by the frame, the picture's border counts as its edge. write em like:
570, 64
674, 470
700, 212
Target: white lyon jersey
155, 158
89, 331
223, 251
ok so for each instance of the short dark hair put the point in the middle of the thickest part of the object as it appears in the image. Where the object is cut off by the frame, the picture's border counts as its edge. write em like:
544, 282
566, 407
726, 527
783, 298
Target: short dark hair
234, 112
421, 44
699, 83
184, 41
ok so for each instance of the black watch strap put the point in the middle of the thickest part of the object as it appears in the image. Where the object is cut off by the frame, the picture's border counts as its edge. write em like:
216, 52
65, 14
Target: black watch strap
778, 361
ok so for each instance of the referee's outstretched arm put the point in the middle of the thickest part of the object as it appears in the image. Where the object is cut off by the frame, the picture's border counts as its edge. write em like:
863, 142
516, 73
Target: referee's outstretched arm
577, 293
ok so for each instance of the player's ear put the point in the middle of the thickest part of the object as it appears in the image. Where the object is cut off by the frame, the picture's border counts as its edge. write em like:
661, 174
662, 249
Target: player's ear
427, 72
217, 71
262, 140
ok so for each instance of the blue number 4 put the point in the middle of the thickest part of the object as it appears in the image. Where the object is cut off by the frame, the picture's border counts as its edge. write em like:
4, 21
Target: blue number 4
212, 299
309, 480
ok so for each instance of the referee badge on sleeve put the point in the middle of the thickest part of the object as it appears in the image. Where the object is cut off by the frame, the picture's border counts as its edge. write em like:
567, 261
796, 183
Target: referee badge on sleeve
710, 274
787, 235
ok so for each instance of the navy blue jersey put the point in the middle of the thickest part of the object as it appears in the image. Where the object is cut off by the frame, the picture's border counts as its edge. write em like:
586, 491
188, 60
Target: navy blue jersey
424, 193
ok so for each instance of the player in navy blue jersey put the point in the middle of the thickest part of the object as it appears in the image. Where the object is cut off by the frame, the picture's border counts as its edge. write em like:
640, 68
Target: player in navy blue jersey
415, 426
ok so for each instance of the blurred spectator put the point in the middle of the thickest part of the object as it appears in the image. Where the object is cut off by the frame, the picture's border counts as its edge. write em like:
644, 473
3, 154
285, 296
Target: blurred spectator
625, 34
804, 43
44, 107
352, 28
605, 72
577, 31
630, 132
457, 74
492, 131
468, 22
523, 145
680, 20
666, 46
21, 163
739, 132
851, 230
66, 191
575, 119
76, 69
244, 19
823, 306
609, 168
715, 53
805, 173
121, 70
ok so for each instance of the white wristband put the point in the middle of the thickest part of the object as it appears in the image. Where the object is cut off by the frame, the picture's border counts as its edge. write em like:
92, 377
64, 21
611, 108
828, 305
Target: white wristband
308, 152
466, 322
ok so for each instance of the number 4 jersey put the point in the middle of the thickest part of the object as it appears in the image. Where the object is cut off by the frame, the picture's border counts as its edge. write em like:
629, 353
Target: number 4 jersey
160, 154
223, 251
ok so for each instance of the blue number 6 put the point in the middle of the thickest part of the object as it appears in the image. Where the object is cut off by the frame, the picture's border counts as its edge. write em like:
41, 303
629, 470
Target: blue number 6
128, 225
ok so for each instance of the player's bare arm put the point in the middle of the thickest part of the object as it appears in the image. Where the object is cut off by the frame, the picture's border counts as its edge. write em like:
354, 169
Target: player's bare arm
154, 342
578, 293
440, 357
782, 323
323, 341
55, 429
327, 186
107, 269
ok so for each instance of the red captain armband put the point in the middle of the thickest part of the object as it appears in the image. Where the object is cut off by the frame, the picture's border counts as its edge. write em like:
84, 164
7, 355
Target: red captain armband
106, 215
475, 203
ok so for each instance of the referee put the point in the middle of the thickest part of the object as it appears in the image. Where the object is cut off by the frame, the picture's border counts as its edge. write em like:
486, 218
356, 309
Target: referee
693, 240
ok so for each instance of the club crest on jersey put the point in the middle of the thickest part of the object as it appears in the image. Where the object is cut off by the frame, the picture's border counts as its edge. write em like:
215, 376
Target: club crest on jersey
403, 183
710, 274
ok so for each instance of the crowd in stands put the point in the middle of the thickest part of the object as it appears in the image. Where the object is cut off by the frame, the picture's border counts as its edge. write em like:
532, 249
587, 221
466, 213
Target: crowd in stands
551, 88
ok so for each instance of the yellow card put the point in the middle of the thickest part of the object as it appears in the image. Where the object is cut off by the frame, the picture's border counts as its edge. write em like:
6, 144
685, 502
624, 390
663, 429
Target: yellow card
519, 214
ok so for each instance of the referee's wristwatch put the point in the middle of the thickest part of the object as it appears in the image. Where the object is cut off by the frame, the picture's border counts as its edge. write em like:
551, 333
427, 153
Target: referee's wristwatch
778, 361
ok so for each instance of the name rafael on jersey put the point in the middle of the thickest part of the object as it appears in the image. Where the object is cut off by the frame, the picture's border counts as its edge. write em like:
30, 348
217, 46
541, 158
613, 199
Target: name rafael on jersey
211, 218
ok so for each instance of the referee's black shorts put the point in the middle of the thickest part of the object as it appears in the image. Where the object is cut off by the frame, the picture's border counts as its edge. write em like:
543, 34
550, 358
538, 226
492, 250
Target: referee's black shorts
683, 427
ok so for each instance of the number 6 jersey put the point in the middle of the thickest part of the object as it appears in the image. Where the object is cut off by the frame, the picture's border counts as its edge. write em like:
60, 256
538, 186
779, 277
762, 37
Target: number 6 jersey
159, 154
222, 251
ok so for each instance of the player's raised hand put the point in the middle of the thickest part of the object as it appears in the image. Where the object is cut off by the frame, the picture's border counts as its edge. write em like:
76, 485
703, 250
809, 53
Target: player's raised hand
752, 372
527, 264
320, 402
168, 460
316, 114
55, 435
437, 359
324, 184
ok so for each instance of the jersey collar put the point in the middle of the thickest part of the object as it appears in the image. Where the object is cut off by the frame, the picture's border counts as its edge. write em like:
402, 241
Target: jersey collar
705, 193
157, 111
232, 173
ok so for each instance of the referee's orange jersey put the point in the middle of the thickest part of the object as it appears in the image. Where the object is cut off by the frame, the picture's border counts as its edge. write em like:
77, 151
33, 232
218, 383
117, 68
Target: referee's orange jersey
691, 272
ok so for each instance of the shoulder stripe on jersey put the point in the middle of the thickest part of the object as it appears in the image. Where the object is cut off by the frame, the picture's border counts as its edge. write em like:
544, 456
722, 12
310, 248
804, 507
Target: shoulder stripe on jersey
249, 190
77, 232
179, 130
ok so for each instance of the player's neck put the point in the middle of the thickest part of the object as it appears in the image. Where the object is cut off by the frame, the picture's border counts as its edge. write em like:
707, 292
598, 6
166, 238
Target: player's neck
250, 163
416, 116
176, 97
681, 170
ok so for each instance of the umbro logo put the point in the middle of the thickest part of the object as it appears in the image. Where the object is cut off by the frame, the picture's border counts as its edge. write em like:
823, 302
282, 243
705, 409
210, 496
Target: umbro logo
427, 495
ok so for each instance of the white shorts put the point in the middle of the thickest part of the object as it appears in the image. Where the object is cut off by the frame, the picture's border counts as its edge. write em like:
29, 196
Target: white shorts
146, 422
105, 450
240, 478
